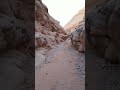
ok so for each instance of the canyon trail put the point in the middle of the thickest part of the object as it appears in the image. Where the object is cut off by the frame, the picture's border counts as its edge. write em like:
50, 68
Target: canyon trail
64, 69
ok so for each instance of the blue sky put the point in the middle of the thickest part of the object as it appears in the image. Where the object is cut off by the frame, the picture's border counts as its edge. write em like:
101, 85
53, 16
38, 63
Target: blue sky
63, 10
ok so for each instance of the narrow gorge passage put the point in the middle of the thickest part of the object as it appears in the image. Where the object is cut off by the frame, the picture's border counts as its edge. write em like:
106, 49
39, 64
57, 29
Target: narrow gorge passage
63, 70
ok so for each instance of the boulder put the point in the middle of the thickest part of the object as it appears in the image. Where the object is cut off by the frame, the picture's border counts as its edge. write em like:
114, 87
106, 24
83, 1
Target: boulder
78, 38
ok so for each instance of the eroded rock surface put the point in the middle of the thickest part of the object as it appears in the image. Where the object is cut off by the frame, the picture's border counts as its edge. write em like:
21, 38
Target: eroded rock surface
78, 37
74, 23
16, 45
102, 26
76, 28
48, 31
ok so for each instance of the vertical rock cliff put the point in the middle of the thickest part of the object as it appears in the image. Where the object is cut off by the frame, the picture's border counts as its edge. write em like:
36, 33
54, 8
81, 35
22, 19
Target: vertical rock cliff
16, 44
48, 31
102, 27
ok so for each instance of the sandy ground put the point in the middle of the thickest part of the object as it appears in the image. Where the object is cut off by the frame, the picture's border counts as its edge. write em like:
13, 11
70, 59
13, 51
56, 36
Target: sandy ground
64, 69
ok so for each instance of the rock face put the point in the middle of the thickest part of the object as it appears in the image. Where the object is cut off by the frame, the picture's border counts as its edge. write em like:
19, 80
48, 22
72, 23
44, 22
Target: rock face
78, 37
48, 31
102, 27
76, 28
16, 44
90, 4
75, 21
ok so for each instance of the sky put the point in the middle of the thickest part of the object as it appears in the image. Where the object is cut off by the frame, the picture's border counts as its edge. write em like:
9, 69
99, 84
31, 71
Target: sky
64, 10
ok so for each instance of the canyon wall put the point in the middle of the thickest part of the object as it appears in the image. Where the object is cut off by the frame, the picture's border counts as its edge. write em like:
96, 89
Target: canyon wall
48, 32
16, 44
75, 21
102, 27
76, 28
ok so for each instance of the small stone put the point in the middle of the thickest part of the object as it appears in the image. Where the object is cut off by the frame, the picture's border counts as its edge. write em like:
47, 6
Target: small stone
46, 73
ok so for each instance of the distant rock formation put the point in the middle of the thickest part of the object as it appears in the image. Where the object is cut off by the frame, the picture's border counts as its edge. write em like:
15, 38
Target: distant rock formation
75, 21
